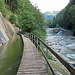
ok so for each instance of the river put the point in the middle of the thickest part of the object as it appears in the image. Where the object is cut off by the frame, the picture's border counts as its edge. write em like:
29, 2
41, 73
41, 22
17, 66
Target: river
10, 56
63, 43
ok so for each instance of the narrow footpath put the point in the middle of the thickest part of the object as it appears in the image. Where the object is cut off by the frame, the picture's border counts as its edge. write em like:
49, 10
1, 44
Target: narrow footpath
32, 63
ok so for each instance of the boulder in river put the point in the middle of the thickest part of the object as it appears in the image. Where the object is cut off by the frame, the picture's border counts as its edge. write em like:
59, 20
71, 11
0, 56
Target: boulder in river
56, 30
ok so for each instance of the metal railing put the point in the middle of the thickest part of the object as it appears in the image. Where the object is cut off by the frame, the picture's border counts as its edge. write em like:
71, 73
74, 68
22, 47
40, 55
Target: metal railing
37, 41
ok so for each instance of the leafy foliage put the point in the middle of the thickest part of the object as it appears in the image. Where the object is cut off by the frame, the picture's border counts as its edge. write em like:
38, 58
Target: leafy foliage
2, 7
29, 18
65, 18
39, 33
12, 18
49, 23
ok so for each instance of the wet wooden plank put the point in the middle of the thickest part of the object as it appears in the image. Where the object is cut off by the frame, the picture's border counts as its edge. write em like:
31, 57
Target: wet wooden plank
32, 63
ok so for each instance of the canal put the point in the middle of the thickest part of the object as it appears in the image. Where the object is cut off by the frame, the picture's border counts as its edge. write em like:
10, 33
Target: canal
10, 56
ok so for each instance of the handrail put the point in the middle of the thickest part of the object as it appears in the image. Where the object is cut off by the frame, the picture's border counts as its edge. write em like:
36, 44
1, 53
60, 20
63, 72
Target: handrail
57, 55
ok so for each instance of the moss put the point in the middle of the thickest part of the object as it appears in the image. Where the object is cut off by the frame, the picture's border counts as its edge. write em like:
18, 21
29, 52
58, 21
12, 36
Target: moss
59, 67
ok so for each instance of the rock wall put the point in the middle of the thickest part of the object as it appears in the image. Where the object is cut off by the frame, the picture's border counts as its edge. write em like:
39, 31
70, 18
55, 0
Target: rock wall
3, 32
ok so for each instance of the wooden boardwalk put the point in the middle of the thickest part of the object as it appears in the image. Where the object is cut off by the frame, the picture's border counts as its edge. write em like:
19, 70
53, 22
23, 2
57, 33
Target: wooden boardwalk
31, 63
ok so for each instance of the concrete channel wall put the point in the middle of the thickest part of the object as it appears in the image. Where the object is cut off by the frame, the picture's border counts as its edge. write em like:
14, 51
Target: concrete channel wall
3, 36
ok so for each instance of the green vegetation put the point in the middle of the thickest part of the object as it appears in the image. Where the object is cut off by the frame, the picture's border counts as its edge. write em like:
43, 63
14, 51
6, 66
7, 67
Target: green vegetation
49, 56
12, 18
57, 25
50, 15
2, 7
65, 18
28, 18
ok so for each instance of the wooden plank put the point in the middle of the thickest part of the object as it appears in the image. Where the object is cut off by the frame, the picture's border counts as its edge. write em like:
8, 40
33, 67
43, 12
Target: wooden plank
32, 63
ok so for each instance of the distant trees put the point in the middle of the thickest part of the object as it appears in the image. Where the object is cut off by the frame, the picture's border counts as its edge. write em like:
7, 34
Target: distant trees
72, 18
50, 14
65, 18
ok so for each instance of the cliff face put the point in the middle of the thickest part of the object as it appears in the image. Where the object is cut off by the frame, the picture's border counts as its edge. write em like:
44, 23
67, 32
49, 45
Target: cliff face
5, 32
3, 35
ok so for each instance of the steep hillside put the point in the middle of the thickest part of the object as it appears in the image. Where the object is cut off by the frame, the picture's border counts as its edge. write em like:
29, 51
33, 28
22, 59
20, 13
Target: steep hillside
66, 17
6, 30
24, 16
50, 15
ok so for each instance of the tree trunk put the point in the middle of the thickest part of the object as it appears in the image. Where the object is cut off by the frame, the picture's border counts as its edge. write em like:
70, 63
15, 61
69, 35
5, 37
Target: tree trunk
9, 3
5, 1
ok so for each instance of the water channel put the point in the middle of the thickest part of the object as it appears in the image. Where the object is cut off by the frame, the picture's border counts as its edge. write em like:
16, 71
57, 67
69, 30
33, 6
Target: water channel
10, 56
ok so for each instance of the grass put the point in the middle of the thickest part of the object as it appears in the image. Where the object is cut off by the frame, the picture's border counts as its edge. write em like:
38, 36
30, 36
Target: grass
49, 56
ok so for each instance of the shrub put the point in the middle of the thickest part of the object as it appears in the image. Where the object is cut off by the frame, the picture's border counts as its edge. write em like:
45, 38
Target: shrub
4, 12
40, 34
12, 18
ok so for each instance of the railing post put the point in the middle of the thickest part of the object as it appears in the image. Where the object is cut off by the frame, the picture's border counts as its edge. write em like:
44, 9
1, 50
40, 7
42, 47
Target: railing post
47, 56
37, 43
26, 33
40, 47
29, 36
32, 38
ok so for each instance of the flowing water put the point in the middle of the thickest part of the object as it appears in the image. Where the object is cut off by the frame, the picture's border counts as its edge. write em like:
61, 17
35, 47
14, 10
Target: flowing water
62, 42
10, 56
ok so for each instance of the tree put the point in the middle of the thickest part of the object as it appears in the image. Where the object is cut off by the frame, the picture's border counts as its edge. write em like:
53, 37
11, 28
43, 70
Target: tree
72, 14
29, 18
2, 7
66, 17
72, 18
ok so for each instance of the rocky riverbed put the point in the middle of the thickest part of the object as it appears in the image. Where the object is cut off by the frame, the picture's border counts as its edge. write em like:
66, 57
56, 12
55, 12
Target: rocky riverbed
62, 42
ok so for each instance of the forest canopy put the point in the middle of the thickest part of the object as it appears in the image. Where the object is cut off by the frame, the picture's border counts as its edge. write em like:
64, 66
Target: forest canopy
28, 17
65, 18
